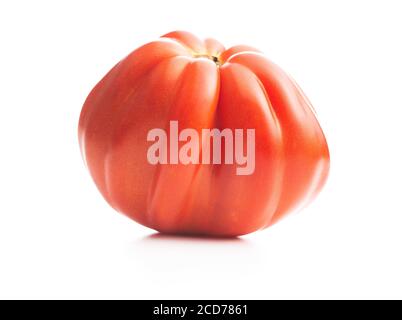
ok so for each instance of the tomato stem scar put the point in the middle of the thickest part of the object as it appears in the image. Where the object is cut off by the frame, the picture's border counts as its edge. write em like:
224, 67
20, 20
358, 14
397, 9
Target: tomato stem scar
213, 58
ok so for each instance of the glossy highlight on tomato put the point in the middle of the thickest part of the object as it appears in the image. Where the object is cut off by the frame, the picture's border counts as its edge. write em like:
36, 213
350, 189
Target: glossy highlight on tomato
200, 84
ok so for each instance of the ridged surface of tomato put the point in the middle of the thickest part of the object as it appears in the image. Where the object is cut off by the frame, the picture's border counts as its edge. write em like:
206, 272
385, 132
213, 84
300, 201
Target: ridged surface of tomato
201, 85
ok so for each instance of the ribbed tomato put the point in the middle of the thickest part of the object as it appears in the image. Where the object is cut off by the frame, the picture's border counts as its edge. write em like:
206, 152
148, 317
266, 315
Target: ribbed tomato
200, 85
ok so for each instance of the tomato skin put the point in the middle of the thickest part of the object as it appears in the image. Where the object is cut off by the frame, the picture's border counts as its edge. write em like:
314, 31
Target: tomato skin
173, 79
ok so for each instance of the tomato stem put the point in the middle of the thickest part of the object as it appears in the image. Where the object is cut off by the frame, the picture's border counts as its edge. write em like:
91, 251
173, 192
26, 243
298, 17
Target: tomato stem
213, 58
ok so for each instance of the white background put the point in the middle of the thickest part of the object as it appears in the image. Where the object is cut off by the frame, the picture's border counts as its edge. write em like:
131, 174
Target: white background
59, 238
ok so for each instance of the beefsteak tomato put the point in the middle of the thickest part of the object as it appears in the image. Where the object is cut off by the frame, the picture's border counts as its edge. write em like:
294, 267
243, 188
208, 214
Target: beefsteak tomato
195, 85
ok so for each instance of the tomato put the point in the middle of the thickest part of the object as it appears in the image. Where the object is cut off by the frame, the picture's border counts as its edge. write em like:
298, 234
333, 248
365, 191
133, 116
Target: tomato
181, 86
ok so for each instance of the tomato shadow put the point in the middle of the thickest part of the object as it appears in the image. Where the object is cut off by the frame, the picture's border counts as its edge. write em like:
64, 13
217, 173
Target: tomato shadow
163, 237
185, 252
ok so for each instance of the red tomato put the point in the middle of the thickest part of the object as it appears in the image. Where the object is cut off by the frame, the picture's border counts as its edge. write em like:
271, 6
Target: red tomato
201, 85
